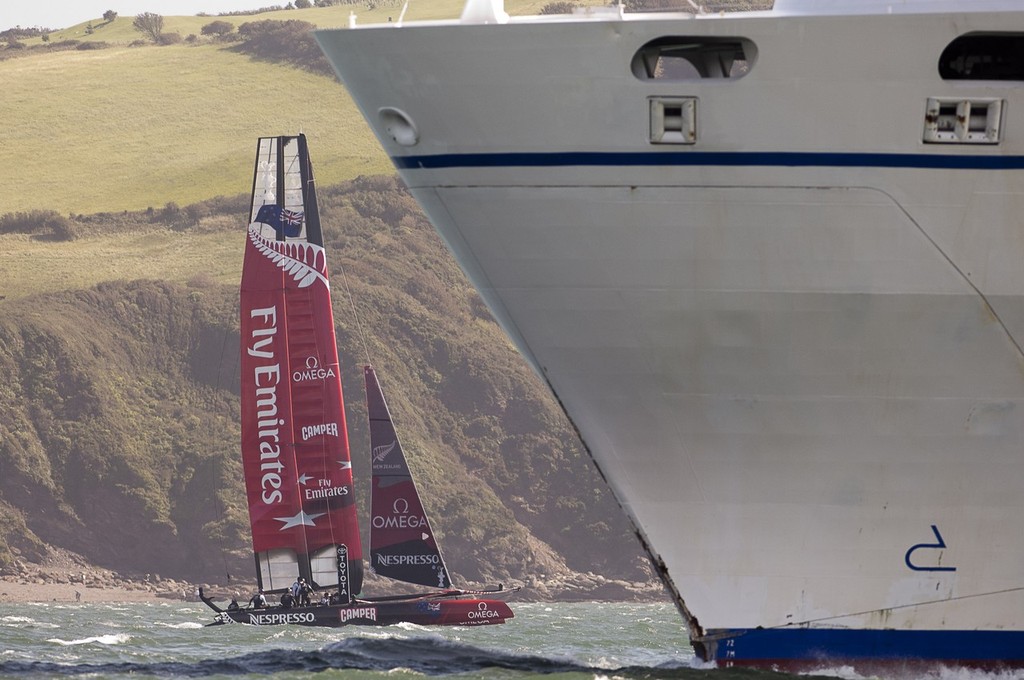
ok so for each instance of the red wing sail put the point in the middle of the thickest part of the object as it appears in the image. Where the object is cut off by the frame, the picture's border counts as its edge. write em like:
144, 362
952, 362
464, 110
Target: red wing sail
295, 452
402, 545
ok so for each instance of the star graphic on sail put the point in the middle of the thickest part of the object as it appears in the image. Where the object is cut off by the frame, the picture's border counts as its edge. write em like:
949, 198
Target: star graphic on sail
345, 464
304, 478
301, 519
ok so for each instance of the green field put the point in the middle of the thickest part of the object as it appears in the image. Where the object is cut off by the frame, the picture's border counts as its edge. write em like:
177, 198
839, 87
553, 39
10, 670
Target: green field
120, 400
127, 128
131, 128
31, 266
121, 30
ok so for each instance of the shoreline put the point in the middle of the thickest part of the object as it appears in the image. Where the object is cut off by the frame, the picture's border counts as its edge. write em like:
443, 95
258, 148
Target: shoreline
17, 592
14, 592
66, 580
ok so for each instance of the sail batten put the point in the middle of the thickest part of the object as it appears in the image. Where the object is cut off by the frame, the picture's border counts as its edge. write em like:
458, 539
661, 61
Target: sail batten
294, 437
402, 543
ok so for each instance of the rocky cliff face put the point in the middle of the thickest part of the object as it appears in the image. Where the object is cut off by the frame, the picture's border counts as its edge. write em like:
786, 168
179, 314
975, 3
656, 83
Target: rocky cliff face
120, 415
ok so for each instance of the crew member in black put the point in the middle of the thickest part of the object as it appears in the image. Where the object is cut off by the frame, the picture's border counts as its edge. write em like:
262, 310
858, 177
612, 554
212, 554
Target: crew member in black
258, 601
304, 592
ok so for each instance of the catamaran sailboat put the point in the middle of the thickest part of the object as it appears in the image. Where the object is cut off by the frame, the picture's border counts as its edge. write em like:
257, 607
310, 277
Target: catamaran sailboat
295, 452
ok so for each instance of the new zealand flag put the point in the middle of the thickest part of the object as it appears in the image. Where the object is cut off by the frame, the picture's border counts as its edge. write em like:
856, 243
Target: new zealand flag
284, 221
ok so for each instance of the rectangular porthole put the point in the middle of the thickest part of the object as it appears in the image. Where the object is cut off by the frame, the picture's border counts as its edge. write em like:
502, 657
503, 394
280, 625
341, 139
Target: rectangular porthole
673, 120
963, 121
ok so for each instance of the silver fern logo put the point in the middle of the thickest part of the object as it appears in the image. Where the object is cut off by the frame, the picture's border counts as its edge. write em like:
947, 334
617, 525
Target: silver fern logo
381, 452
303, 261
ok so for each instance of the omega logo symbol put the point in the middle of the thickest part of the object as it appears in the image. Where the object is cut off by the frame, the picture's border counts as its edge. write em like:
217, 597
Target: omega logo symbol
313, 371
401, 507
483, 612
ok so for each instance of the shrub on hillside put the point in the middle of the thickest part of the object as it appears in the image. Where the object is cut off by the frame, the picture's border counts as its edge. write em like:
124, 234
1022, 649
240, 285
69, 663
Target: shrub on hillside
219, 205
201, 280
38, 222
558, 8
218, 28
94, 45
150, 24
170, 38
288, 41
19, 32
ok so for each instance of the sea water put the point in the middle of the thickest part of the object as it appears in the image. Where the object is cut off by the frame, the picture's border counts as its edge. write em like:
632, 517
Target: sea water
572, 641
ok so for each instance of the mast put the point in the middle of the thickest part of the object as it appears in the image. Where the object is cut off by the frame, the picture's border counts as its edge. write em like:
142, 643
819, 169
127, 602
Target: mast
295, 450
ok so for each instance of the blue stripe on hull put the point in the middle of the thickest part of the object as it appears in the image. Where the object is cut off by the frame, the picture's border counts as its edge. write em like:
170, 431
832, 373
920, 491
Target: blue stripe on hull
820, 647
705, 158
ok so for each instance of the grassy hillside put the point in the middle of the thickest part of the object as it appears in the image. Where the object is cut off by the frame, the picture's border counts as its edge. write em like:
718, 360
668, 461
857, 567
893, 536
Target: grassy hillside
131, 128
121, 30
119, 336
121, 409
31, 266
126, 128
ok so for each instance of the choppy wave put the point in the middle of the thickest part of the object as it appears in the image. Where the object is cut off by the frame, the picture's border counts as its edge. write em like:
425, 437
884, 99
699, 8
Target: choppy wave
939, 673
110, 639
182, 625
24, 621
422, 655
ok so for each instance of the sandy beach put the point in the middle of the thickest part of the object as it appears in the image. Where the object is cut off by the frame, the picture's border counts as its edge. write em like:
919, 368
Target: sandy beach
69, 592
65, 577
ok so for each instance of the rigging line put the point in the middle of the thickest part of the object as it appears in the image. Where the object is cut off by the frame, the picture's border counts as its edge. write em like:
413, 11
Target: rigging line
215, 476
236, 315
355, 313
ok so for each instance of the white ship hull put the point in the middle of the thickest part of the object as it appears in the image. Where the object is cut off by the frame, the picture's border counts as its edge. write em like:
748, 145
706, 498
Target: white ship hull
793, 346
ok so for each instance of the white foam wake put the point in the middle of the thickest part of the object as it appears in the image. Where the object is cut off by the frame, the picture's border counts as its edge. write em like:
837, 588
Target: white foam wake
110, 639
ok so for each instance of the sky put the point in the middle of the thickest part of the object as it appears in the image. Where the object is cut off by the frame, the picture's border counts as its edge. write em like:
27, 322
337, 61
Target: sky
57, 14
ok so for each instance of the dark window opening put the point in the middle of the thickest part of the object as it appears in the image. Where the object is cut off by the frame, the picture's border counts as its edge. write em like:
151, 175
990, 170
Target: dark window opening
984, 56
693, 58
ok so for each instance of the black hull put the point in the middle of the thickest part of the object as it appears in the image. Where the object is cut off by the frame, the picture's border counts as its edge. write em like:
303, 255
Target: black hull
423, 610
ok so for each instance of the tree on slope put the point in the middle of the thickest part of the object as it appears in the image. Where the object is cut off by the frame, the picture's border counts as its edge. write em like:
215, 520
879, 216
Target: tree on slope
150, 24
